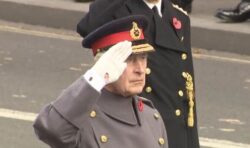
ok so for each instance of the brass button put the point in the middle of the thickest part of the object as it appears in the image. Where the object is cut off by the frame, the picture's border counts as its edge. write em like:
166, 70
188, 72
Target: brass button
93, 114
104, 139
182, 38
180, 92
161, 141
178, 112
148, 89
184, 56
156, 115
148, 71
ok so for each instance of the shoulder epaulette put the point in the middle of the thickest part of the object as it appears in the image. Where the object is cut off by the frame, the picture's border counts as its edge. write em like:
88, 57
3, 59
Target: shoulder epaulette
180, 9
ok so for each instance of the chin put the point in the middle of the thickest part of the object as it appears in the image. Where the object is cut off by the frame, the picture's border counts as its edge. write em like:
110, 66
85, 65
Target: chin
133, 92
137, 91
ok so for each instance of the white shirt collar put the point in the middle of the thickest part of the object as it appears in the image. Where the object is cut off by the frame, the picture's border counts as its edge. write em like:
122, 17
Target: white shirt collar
158, 5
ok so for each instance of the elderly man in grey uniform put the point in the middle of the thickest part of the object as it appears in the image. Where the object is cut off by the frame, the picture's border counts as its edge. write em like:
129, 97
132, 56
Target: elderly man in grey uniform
102, 109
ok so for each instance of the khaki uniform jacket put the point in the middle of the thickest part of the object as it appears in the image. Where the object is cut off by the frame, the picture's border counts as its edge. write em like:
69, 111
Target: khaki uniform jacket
83, 118
166, 85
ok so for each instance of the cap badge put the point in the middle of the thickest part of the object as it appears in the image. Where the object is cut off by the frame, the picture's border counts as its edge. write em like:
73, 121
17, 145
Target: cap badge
135, 32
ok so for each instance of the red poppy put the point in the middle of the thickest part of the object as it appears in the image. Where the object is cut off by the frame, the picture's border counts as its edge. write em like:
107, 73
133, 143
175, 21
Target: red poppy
176, 23
140, 105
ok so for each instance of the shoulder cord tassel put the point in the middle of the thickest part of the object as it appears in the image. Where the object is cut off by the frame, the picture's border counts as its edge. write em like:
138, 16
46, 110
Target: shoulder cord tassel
190, 95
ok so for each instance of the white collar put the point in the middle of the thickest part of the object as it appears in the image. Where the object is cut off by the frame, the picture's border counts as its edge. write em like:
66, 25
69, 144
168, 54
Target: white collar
158, 5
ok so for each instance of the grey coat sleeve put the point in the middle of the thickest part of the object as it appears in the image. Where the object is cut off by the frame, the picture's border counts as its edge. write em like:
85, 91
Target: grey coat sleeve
58, 124
164, 133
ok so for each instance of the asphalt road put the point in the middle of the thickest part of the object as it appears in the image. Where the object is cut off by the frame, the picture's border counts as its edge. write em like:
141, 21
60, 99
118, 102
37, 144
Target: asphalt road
36, 63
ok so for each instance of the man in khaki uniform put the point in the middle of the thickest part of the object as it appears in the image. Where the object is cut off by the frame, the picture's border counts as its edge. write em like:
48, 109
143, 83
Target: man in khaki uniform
101, 109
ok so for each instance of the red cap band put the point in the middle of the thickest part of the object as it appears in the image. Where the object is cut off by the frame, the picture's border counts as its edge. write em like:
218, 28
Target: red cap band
113, 39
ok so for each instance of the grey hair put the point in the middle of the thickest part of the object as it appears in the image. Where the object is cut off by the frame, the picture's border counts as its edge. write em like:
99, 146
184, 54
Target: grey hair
98, 55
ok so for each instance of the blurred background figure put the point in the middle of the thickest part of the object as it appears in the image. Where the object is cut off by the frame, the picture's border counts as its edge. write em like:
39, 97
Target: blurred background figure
238, 14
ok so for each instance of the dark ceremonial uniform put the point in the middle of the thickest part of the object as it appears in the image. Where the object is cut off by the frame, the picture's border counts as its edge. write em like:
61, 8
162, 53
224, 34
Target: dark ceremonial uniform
170, 79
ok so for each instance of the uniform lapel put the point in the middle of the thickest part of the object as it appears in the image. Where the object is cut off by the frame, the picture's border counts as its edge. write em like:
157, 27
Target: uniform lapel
166, 34
137, 104
117, 107
175, 20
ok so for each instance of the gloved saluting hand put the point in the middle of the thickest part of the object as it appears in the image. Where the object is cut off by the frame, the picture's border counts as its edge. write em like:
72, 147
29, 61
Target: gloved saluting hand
112, 63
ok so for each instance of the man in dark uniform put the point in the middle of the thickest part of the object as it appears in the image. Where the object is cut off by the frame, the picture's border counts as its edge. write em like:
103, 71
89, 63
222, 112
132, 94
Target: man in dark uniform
170, 75
102, 109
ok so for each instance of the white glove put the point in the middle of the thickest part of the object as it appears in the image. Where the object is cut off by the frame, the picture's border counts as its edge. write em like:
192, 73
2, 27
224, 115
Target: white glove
112, 63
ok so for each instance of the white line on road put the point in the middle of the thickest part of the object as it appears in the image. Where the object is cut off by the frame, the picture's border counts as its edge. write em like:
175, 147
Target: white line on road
215, 143
13, 114
230, 59
39, 33
206, 142
75, 38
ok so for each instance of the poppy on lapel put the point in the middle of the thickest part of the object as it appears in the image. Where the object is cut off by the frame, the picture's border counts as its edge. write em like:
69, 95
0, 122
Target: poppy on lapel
176, 23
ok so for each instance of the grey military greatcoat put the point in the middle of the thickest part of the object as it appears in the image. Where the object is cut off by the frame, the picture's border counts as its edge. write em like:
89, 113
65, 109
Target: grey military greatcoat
83, 118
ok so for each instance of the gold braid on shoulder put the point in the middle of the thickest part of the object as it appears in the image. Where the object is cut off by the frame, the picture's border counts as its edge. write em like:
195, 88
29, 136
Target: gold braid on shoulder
180, 9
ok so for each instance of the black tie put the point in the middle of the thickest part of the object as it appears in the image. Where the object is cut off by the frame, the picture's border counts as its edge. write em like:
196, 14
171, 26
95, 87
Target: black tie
156, 12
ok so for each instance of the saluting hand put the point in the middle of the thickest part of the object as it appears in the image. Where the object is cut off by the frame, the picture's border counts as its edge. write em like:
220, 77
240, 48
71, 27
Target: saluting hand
112, 63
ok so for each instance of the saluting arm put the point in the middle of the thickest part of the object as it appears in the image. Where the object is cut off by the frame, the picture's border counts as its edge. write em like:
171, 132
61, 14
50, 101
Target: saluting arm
51, 128
59, 122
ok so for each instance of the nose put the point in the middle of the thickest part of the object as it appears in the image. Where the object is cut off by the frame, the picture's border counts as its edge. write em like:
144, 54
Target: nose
139, 66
